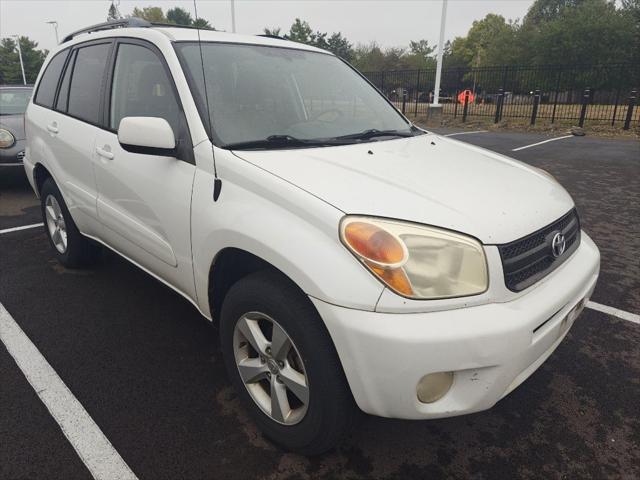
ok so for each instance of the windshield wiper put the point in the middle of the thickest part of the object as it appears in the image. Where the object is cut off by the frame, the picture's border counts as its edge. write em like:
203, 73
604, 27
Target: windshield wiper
276, 141
374, 132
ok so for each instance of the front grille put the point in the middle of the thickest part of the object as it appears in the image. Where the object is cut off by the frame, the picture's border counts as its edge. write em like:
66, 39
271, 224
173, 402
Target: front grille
20, 155
527, 260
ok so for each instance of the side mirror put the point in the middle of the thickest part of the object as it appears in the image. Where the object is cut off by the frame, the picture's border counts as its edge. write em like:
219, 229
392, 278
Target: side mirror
147, 135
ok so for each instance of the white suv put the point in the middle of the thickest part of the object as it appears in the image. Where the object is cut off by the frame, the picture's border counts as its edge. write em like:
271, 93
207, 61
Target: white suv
349, 257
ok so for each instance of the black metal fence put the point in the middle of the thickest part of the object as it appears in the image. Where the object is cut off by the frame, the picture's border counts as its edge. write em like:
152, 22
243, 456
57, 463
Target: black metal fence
598, 94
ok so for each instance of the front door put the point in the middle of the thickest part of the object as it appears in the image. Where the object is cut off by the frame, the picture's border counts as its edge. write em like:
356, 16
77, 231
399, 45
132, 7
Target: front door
144, 201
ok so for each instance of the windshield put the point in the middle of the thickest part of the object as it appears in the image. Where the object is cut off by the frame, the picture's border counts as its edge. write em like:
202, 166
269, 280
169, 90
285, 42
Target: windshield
14, 101
258, 93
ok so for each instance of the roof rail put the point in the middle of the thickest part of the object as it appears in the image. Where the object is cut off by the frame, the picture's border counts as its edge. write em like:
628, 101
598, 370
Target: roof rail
268, 35
175, 25
124, 23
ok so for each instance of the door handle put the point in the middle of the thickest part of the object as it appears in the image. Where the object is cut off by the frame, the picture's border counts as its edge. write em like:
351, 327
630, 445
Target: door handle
104, 153
53, 128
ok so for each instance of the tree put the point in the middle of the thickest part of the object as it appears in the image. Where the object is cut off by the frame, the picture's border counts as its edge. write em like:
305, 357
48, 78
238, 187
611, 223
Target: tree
490, 41
421, 47
113, 14
179, 16
543, 11
273, 32
32, 57
151, 14
300, 32
340, 46
202, 23
420, 55
583, 32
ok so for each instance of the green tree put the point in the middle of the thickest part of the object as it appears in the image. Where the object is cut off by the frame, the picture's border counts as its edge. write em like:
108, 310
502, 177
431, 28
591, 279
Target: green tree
179, 16
113, 13
543, 11
151, 14
583, 32
274, 32
340, 46
32, 57
490, 41
300, 32
202, 23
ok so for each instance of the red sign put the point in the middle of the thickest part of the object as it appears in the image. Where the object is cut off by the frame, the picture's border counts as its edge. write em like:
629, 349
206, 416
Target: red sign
466, 93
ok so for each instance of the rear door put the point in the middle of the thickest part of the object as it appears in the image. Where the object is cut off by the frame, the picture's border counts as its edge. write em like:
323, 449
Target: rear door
78, 122
144, 200
64, 121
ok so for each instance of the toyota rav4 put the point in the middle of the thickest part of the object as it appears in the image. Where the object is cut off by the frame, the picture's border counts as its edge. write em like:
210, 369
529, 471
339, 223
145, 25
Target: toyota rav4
351, 259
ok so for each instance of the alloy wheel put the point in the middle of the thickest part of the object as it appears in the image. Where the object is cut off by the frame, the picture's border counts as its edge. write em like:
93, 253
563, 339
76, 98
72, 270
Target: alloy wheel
55, 223
271, 368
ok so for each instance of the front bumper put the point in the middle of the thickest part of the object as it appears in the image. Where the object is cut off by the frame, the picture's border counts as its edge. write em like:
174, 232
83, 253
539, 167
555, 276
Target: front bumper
12, 156
491, 348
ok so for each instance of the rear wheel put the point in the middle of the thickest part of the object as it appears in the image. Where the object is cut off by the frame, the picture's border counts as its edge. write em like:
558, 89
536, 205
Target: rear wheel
284, 365
71, 248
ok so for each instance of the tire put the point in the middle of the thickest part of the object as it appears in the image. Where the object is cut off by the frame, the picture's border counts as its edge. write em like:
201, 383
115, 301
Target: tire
330, 409
76, 250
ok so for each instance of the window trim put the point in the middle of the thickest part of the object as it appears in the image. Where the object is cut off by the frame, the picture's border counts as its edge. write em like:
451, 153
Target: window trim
184, 143
70, 63
55, 92
71, 49
77, 47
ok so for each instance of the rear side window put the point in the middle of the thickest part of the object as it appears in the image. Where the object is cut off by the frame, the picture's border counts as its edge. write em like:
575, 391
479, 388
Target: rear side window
86, 82
141, 88
63, 95
47, 88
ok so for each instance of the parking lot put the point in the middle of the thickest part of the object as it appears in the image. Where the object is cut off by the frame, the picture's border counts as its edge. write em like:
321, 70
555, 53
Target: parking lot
146, 367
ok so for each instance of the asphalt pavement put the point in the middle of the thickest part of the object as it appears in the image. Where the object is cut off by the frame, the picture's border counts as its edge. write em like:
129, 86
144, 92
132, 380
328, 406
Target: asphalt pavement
147, 368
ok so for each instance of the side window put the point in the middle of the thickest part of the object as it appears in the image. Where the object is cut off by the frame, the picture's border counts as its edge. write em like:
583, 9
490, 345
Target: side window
47, 88
63, 94
88, 72
141, 88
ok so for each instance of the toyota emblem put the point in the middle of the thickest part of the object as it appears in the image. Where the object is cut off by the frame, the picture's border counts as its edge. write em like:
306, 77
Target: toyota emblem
558, 244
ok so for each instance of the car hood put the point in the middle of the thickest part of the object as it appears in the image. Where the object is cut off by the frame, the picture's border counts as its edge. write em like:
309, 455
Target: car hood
13, 123
427, 179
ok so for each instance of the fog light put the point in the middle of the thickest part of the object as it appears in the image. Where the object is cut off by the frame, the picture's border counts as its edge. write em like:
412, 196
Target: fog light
434, 386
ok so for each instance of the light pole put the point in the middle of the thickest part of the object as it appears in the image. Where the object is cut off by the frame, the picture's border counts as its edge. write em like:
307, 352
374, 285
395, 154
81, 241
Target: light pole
233, 16
443, 19
55, 26
24, 78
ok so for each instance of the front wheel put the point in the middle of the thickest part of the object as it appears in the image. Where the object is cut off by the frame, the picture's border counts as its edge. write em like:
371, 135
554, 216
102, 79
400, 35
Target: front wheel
284, 365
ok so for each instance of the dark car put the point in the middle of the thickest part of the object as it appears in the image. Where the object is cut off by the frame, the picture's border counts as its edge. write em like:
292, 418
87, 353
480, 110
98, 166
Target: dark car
13, 103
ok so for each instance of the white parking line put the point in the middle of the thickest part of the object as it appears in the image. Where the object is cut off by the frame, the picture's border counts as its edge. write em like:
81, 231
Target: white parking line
24, 227
631, 317
94, 449
464, 133
540, 143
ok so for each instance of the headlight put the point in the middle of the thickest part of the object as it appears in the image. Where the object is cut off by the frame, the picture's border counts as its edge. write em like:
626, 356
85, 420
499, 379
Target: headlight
6, 139
417, 261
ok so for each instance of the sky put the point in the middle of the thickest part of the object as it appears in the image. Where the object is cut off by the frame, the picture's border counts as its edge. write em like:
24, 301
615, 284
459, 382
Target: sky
391, 23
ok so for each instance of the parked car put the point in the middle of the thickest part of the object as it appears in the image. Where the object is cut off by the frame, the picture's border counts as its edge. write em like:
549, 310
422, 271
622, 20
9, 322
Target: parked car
350, 258
13, 103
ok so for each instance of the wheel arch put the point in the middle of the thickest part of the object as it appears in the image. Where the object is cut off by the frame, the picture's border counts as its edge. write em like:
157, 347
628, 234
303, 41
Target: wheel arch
230, 265
40, 175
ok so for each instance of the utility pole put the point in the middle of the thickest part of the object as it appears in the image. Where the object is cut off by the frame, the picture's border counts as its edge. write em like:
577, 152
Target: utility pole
55, 26
443, 19
233, 16
24, 78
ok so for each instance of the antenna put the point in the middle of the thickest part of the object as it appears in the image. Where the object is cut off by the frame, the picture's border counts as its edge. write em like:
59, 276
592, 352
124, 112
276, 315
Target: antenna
217, 183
